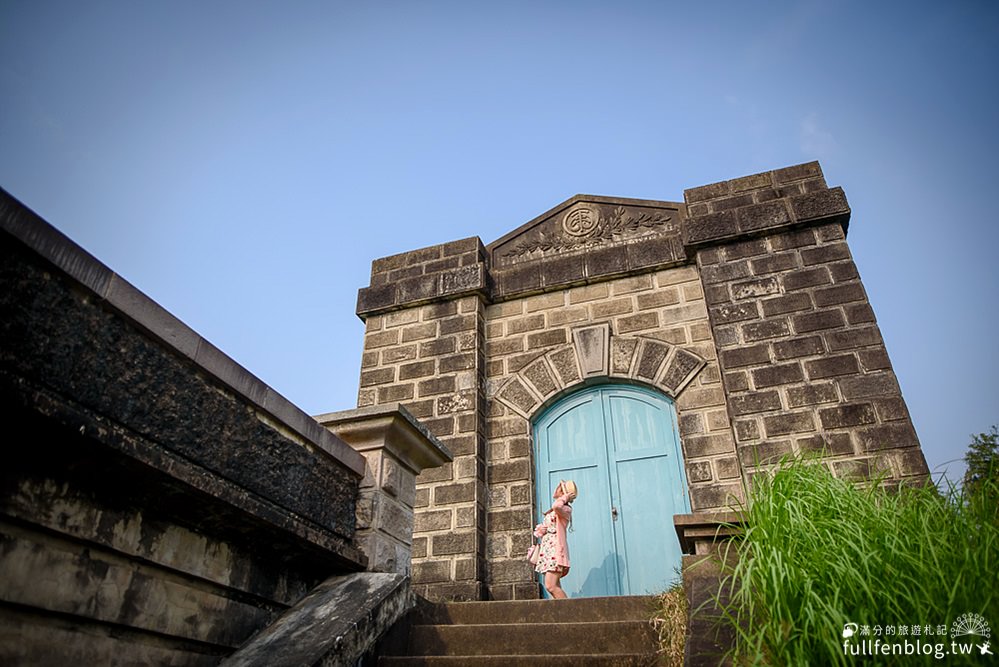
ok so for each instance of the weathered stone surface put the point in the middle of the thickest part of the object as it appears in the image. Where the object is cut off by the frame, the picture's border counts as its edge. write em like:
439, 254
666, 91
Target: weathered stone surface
336, 624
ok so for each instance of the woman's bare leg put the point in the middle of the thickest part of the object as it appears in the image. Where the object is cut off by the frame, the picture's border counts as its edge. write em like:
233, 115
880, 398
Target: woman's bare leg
553, 584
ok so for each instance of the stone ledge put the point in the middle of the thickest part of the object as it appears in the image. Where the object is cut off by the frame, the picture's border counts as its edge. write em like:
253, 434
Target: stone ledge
335, 624
701, 532
46, 242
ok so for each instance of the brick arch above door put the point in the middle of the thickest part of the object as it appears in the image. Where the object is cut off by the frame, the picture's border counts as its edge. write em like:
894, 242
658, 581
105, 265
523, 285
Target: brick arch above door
596, 354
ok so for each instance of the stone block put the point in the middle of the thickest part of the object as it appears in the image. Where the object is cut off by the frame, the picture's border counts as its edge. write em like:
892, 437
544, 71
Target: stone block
735, 382
736, 312
592, 351
605, 261
512, 471
789, 422
812, 394
819, 320
429, 572
825, 254
513, 519
565, 365
829, 203
778, 374
766, 329
724, 273
546, 339
438, 385
743, 249
711, 227
378, 376
640, 322
430, 521
417, 370
887, 436
859, 314
868, 386
716, 496
767, 215
807, 170
774, 263
804, 278
788, 303
458, 324
707, 445
732, 201
874, 360
650, 357
752, 355
395, 393
754, 289
827, 444
746, 430
699, 471
849, 415
447, 494
798, 347
541, 378
833, 366
763, 401
839, 294
797, 239
764, 453
653, 252
452, 543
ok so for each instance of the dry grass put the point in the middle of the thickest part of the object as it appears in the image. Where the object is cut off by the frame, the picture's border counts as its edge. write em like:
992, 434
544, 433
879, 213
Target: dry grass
670, 623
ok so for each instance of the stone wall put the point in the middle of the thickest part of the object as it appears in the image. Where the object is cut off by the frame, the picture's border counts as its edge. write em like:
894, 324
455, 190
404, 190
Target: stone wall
806, 369
742, 303
657, 333
430, 358
158, 504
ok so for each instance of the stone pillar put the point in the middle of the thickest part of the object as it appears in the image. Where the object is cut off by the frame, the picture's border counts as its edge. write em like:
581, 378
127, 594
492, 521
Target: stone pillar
805, 367
396, 448
424, 347
703, 539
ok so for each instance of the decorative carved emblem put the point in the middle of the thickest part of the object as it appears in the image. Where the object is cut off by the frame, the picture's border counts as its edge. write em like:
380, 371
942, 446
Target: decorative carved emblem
580, 221
583, 227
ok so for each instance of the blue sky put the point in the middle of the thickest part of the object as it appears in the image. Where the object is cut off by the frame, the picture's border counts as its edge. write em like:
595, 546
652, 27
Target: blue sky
243, 163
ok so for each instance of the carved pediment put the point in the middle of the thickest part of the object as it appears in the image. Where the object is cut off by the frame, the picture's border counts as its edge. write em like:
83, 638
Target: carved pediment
584, 223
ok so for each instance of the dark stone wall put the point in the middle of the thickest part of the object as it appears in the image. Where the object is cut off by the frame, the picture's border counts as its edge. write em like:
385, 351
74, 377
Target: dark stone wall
805, 367
158, 504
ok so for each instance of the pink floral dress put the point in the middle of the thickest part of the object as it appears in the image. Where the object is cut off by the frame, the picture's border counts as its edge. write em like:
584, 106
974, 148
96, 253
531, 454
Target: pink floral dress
554, 556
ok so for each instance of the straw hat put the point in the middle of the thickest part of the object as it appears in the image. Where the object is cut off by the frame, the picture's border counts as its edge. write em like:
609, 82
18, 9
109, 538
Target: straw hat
569, 488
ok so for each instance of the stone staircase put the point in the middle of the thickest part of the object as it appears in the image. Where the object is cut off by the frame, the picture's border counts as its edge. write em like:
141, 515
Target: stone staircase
537, 633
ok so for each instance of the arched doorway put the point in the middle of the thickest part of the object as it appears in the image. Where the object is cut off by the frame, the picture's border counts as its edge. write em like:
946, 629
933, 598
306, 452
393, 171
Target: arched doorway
620, 444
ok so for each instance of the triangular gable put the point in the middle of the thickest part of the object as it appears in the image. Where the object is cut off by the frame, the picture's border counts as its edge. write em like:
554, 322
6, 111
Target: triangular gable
584, 223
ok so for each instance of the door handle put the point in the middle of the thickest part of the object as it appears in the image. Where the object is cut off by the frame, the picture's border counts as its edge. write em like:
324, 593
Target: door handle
614, 512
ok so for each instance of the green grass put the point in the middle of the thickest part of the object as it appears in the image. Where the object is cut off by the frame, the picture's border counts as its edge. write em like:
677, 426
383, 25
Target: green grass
819, 552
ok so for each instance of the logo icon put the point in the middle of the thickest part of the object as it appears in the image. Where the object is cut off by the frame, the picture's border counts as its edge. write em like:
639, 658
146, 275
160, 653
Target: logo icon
849, 630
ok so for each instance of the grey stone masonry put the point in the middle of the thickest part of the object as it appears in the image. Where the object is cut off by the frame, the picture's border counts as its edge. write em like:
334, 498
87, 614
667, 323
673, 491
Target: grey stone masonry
742, 305
805, 367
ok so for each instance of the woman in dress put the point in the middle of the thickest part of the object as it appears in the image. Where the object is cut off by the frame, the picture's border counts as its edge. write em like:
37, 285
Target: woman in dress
553, 561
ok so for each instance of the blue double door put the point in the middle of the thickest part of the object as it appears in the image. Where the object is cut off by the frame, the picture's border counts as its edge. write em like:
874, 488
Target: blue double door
620, 445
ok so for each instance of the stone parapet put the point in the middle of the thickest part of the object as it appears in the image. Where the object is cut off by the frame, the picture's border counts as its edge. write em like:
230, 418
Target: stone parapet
397, 448
161, 504
753, 205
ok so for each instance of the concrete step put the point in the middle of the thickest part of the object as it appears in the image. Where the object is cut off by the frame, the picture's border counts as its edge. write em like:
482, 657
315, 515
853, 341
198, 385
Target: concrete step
574, 660
530, 638
610, 631
584, 610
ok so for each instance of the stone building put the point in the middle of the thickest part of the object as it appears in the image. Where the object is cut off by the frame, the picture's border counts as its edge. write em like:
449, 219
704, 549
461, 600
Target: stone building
660, 353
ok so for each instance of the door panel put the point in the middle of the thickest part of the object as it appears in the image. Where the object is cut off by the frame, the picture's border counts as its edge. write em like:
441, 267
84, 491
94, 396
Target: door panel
621, 446
570, 446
